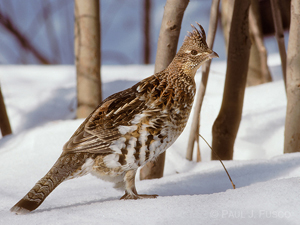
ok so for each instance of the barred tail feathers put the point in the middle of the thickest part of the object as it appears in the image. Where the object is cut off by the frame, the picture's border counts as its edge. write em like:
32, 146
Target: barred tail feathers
66, 167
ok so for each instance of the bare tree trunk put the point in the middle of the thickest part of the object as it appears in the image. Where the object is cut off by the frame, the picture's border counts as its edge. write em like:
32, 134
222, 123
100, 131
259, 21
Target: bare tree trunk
4, 121
292, 122
279, 36
87, 56
258, 70
227, 123
226, 17
194, 134
166, 50
169, 33
147, 11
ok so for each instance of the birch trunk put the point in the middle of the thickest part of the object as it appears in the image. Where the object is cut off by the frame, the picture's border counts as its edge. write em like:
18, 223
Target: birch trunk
292, 123
87, 56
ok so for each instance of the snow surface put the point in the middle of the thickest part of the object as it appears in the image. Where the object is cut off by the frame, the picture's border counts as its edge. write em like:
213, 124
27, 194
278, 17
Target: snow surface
41, 103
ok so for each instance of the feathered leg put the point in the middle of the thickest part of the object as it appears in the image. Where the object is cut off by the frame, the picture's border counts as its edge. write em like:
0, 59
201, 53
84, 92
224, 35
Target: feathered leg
130, 190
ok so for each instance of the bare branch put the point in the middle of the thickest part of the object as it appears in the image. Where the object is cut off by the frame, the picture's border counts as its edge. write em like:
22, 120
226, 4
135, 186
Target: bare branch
6, 22
147, 49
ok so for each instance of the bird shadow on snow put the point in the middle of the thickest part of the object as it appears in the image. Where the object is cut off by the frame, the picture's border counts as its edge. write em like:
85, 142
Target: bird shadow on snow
74, 205
215, 181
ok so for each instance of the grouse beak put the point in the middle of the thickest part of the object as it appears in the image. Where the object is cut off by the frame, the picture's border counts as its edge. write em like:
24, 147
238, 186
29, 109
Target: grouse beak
213, 55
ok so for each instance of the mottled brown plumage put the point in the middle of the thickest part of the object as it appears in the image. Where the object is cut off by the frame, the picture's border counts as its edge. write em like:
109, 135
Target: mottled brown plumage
129, 128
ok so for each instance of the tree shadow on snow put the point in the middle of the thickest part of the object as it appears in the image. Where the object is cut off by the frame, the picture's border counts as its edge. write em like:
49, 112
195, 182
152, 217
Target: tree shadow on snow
267, 127
61, 105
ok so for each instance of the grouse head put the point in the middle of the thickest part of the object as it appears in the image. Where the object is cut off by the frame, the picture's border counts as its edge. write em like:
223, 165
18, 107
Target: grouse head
194, 51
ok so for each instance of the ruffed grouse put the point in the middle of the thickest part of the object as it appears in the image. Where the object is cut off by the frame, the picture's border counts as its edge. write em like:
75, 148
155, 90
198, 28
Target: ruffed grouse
129, 128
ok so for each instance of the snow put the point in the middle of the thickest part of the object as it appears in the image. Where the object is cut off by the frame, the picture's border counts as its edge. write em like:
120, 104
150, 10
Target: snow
41, 102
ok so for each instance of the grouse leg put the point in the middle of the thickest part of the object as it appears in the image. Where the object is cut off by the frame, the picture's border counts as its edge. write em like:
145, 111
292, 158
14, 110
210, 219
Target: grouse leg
130, 190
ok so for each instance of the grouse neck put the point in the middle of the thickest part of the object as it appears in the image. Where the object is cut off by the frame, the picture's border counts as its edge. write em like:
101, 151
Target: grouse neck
181, 68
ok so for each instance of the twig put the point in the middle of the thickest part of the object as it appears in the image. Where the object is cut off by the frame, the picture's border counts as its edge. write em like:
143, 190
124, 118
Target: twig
198, 145
233, 185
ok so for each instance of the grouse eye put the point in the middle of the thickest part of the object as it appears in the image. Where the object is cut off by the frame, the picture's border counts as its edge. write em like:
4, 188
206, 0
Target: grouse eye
194, 52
